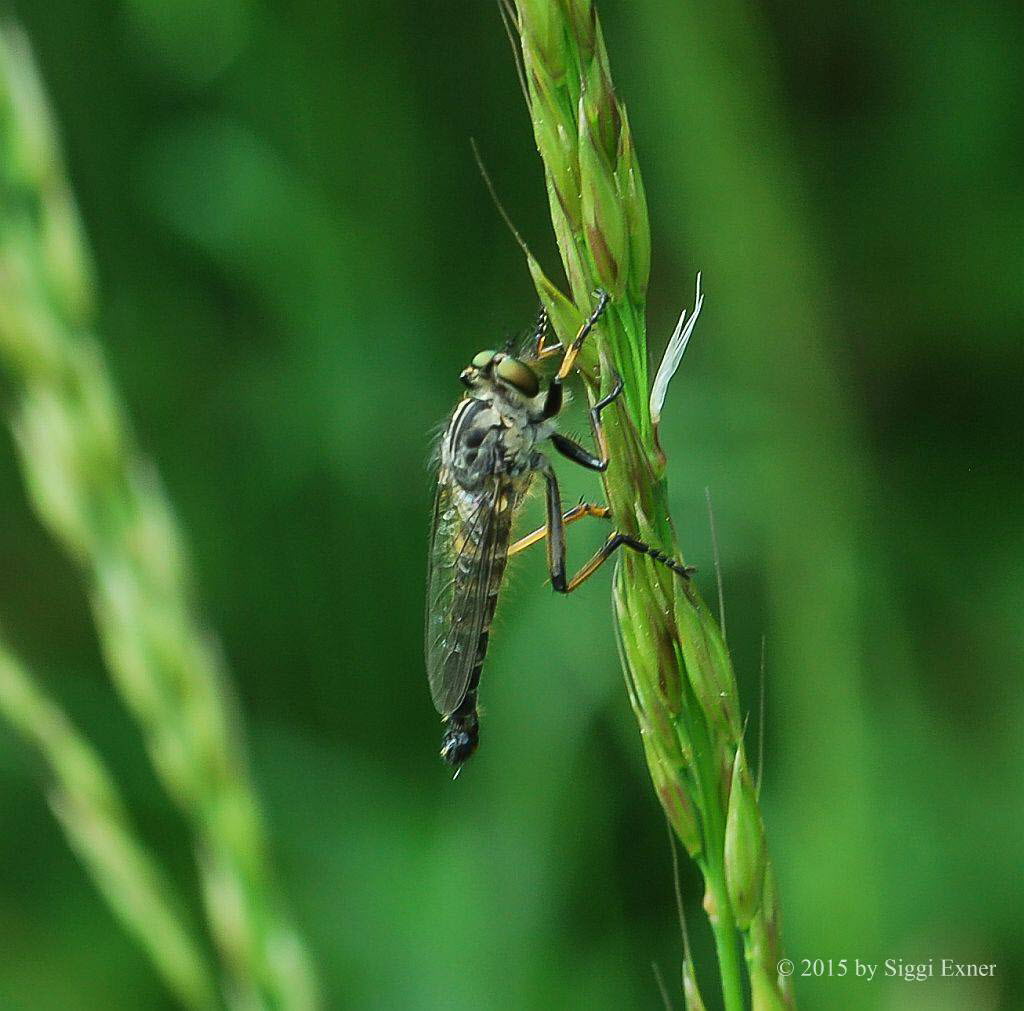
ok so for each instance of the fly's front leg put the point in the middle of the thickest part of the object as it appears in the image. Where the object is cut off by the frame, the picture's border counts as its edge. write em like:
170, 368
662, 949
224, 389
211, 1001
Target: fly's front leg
574, 348
540, 332
553, 401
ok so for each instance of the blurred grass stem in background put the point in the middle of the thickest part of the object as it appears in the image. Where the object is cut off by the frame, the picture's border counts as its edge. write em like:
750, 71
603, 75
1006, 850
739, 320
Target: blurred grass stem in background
86, 801
678, 669
103, 502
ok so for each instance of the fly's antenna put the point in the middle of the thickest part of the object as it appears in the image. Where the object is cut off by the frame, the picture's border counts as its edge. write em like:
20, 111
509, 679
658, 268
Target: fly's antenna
520, 241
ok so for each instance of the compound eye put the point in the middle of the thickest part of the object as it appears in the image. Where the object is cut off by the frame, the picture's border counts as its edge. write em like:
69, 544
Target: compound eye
482, 360
516, 374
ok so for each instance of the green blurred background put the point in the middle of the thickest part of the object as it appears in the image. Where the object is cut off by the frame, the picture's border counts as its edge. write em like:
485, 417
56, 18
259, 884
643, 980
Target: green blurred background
297, 256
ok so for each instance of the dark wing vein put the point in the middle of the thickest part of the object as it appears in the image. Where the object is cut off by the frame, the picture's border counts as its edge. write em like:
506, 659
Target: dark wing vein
465, 553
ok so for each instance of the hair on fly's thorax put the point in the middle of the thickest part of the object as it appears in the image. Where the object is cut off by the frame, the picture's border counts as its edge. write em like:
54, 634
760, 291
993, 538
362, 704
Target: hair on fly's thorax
436, 435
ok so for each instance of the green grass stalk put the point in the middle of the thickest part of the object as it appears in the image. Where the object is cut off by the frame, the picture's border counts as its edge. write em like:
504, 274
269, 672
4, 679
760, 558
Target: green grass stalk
678, 670
87, 803
102, 500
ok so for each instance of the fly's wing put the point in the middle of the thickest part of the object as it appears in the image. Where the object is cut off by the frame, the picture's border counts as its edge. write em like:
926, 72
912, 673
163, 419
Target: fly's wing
467, 558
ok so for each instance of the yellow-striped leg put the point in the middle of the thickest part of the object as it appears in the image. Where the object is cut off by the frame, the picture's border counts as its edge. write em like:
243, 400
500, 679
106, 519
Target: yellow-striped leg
574, 348
617, 540
577, 512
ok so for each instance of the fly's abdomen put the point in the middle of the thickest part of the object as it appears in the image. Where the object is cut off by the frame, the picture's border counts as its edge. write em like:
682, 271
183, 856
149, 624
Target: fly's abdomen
478, 575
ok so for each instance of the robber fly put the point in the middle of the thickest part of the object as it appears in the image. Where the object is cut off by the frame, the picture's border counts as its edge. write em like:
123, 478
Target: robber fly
488, 458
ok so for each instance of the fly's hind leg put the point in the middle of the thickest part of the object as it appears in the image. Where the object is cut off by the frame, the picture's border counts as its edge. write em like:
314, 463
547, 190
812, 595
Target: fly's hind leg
577, 512
555, 527
620, 540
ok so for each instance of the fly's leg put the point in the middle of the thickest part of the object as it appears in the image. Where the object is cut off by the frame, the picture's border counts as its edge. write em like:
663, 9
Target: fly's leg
556, 541
574, 348
541, 352
553, 401
555, 525
555, 532
556, 522
595, 418
572, 450
577, 512
615, 541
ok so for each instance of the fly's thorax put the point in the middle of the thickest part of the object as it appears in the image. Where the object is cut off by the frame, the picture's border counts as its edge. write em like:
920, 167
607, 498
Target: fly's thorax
492, 433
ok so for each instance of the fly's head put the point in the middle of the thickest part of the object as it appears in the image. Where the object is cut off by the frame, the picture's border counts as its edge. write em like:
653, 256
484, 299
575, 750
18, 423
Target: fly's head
501, 373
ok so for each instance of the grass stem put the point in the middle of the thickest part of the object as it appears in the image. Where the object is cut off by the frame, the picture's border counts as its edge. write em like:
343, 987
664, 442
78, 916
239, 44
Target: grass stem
678, 669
